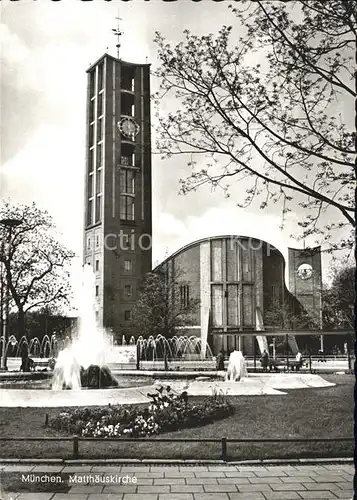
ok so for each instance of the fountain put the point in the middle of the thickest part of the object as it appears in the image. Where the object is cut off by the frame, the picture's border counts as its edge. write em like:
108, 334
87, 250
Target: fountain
66, 371
237, 367
182, 347
81, 363
49, 346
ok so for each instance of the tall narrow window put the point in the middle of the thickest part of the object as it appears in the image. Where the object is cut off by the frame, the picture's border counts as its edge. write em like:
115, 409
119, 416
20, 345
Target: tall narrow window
91, 160
99, 181
128, 265
232, 259
99, 156
91, 110
98, 208
127, 155
248, 305
128, 290
91, 134
90, 212
100, 77
97, 265
124, 241
247, 256
127, 208
122, 180
217, 305
127, 181
131, 183
90, 185
217, 269
92, 83
126, 105
127, 79
184, 296
100, 129
233, 308
97, 290
100, 105
123, 207
127, 315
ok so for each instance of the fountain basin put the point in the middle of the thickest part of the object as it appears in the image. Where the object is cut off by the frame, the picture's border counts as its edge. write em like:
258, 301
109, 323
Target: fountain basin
256, 384
25, 398
46, 384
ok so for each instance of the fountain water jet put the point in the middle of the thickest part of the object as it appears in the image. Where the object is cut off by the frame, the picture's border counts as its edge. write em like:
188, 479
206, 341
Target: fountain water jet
154, 348
87, 352
237, 367
66, 372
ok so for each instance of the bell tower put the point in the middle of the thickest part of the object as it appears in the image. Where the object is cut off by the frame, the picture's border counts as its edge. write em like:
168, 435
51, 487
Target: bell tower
117, 226
305, 280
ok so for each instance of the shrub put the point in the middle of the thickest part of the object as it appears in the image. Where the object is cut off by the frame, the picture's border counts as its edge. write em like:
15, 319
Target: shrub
165, 412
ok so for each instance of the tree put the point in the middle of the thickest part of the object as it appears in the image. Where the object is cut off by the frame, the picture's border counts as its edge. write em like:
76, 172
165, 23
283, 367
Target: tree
284, 317
291, 315
271, 111
41, 322
338, 303
163, 304
35, 263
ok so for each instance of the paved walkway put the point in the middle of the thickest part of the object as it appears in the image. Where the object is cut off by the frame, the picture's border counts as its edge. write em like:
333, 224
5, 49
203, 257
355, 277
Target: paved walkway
178, 482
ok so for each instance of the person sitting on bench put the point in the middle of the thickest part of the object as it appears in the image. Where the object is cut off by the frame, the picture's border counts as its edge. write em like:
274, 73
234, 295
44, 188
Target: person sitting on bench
298, 359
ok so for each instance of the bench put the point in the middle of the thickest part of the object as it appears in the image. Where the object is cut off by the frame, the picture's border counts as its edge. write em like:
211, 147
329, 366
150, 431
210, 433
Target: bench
39, 363
293, 364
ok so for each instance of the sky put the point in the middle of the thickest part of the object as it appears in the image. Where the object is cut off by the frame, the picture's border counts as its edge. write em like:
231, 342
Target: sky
46, 48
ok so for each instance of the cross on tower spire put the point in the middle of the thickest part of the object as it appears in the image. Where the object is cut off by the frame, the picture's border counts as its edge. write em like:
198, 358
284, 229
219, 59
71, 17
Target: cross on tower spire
118, 33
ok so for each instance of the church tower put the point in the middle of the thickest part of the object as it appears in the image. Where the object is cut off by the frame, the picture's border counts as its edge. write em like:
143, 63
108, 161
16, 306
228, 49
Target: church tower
117, 226
305, 280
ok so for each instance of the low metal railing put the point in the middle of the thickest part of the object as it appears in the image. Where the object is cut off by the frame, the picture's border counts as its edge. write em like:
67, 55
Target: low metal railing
224, 442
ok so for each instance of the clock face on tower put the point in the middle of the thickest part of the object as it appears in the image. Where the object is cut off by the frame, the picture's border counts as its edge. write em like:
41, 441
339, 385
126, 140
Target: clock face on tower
128, 127
304, 271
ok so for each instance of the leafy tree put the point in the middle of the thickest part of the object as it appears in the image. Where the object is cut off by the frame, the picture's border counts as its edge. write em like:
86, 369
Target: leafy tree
290, 315
41, 322
338, 306
283, 316
162, 304
268, 106
34, 262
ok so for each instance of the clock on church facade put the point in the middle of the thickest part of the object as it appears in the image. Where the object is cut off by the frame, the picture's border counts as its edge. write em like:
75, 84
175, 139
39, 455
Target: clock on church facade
305, 279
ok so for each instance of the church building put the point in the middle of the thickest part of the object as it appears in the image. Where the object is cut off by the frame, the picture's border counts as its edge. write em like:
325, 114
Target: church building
235, 279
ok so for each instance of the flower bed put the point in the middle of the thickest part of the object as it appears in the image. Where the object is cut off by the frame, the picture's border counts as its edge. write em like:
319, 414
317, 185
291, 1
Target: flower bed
166, 412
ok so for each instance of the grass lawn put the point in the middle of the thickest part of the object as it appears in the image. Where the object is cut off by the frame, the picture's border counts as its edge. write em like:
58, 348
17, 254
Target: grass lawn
302, 413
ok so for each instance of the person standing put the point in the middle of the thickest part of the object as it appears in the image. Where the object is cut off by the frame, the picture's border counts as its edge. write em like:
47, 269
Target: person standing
220, 361
265, 360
